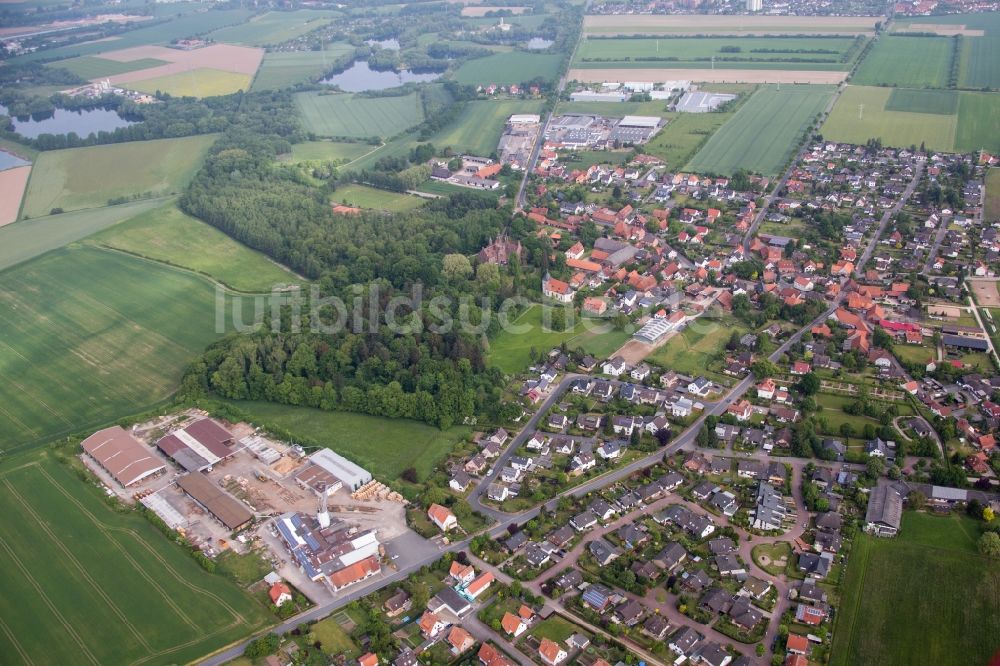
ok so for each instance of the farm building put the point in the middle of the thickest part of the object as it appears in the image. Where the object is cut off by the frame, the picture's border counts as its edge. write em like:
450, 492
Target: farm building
229, 511
317, 479
351, 475
885, 511
198, 446
326, 551
122, 456
965, 342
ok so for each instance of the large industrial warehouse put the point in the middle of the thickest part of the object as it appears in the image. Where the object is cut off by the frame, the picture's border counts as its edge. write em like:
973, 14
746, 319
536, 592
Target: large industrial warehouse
198, 446
122, 456
353, 476
224, 507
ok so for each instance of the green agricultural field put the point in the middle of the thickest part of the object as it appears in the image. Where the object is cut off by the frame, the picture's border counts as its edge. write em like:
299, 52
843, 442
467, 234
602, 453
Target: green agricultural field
510, 350
79, 349
342, 114
89, 67
692, 24
684, 134
692, 350
201, 82
907, 62
88, 585
273, 28
507, 68
328, 151
384, 446
930, 575
910, 100
980, 66
992, 207
369, 197
478, 128
168, 235
30, 238
701, 50
765, 132
89, 177
860, 115
978, 120
284, 69
177, 27
864, 113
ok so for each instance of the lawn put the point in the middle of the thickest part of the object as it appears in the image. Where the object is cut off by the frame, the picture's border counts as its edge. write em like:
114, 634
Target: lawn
765, 132
834, 416
507, 68
556, 629
684, 134
349, 115
478, 128
334, 639
907, 62
284, 69
383, 446
701, 50
930, 576
272, 28
772, 554
201, 82
90, 67
89, 585
328, 151
369, 197
692, 350
914, 353
168, 235
89, 336
860, 114
510, 350
29, 238
89, 177
992, 208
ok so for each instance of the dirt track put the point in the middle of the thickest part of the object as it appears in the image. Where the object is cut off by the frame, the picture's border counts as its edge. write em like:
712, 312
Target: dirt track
705, 75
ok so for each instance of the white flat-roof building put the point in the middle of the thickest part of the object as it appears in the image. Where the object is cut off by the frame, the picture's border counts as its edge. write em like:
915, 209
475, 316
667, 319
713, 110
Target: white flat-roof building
525, 119
650, 122
353, 476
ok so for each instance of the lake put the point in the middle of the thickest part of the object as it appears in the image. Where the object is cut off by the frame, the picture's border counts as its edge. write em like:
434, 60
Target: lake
538, 44
360, 77
9, 161
62, 121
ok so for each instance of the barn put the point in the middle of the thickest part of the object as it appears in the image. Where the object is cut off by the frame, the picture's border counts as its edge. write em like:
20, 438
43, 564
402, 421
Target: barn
122, 456
198, 446
230, 512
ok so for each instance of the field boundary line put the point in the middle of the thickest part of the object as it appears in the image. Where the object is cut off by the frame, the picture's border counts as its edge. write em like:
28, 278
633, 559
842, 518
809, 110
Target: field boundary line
857, 602
48, 602
13, 640
79, 567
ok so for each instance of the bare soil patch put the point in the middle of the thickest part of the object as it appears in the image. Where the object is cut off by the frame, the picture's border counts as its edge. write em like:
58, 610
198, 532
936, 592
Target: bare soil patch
943, 29
706, 75
223, 57
12, 184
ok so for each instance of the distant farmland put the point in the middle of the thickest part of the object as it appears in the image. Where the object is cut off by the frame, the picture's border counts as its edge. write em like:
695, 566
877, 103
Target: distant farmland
507, 68
89, 585
274, 27
343, 114
907, 62
729, 25
88, 177
764, 133
79, 349
282, 69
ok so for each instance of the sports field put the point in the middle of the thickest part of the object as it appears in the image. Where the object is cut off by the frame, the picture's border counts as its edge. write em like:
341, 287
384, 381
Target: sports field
863, 113
87, 585
88, 177
341, 114
691, 351
930, 575
384, 446
203, 82
283, 69
507, 68
478, 128
92, 67
369, 197
991, 210
764, 133
168, 235
510, 350
702, 49
79, 349
728, 25
907, 62
272, 28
